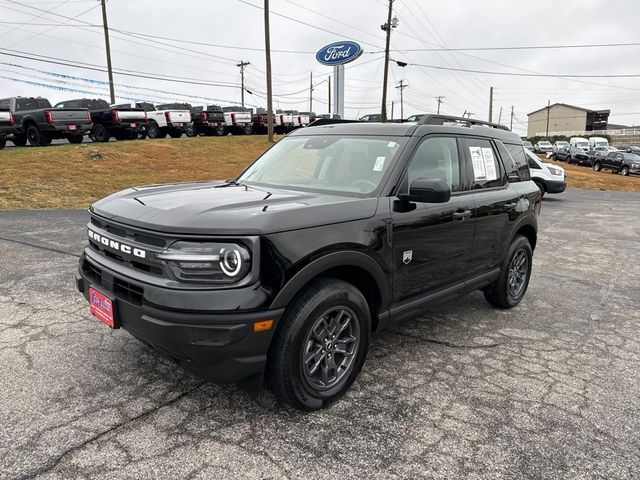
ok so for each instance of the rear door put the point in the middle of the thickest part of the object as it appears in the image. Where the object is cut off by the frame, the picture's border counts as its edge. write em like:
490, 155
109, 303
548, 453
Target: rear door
496, 202
431, 241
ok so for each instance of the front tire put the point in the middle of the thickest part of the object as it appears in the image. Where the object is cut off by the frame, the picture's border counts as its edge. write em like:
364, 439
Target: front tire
320, 346
510, 287
542, 189
597, 167
624, 171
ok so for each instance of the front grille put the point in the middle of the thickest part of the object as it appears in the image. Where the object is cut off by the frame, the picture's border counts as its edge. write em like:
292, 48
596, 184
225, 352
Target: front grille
127, 290
131, 237
120, 287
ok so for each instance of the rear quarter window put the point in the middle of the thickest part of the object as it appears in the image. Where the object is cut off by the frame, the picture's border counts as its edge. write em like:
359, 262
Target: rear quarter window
519, 158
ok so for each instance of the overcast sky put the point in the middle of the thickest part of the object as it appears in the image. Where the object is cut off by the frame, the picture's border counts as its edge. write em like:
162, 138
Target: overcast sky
424, 24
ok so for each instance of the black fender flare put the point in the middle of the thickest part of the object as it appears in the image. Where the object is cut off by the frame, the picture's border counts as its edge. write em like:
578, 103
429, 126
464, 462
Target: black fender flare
327, 262
528, 221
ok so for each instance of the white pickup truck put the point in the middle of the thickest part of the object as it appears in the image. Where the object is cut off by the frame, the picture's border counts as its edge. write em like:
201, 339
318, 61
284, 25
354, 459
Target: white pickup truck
284, 121
301, 120
7, 126
162, 122
238, 120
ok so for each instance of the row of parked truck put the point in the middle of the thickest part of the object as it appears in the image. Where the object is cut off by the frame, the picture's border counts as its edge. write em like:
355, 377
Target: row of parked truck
35, 121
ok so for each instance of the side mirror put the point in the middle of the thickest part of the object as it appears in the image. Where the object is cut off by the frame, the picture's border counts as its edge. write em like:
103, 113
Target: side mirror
428, 190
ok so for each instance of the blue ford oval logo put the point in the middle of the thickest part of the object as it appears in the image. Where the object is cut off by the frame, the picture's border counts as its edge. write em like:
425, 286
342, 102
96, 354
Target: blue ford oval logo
339, 53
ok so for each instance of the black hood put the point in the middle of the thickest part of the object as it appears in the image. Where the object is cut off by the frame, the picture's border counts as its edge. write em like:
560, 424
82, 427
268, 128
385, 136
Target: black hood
217, 208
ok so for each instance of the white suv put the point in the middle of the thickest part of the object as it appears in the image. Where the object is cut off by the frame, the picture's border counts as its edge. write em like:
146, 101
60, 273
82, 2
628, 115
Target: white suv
548, 176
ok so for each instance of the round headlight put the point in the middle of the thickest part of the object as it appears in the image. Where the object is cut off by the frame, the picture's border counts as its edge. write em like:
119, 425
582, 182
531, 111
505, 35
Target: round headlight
230, 262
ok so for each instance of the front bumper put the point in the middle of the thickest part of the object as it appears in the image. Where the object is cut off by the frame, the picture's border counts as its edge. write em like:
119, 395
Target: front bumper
219, 346
556, 186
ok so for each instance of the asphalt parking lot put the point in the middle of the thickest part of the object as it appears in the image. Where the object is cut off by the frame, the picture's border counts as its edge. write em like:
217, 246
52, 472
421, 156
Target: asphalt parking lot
550, 389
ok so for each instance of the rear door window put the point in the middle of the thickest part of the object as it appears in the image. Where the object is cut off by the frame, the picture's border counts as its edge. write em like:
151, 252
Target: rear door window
487, 170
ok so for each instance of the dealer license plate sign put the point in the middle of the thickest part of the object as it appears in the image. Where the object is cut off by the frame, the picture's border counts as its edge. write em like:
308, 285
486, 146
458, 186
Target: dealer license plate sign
102, 307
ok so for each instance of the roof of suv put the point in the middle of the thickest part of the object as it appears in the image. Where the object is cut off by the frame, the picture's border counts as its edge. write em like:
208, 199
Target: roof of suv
406, 129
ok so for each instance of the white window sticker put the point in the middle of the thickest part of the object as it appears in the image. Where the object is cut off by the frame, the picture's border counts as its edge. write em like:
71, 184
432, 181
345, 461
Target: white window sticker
391, 144
379, 165
477, 160
489, 164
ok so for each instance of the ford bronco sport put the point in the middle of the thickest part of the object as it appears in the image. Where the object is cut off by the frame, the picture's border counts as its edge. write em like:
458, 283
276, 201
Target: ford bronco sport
282, 274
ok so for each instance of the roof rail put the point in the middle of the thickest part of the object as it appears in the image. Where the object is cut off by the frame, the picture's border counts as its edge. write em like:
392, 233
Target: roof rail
330, 121
465, 122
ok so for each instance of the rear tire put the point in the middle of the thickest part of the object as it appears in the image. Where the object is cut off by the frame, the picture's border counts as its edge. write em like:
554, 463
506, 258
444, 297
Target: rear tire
19, 141
597, 167
153, 131
100, 133
320, 345
36, 138
510, 287
190, 131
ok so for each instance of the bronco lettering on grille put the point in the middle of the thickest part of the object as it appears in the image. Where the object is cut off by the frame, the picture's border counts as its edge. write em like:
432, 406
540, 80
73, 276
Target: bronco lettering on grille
117, 246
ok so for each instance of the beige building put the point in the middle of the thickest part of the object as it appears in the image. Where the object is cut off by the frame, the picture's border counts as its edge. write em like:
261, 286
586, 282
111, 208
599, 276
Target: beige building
566, 118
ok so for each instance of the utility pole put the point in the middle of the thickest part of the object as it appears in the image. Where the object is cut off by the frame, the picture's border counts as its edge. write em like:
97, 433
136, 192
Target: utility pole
491, 105
267, 48
548, 109
401, 86
440, 100
500, 116
105, 25
329, 94
511, 124
242, 66
387, 27
311, 93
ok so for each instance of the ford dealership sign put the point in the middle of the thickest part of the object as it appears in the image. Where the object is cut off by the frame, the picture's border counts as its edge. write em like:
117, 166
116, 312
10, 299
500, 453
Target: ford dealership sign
339, 53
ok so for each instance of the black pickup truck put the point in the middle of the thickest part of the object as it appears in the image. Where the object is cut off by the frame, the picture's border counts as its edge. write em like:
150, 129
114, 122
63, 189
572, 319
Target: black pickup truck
208, 120
39, 123
284, 273
7, 126
121, 123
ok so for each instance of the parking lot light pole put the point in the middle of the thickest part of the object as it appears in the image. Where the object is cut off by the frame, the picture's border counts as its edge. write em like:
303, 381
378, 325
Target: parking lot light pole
267, 48
105, 25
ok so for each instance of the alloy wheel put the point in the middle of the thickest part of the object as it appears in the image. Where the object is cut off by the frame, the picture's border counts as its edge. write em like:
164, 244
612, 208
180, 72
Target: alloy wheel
518, 271
331, 348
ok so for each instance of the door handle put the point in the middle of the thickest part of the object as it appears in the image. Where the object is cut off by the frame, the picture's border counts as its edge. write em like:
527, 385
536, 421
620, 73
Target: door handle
461, 214
510, 205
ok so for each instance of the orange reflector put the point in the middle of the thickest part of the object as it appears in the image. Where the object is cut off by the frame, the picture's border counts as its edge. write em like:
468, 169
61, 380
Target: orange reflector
262, 326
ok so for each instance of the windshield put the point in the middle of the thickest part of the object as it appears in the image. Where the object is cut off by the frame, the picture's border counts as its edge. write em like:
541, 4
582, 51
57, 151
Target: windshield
415, 118
602, 144
354, 165
545, 144
632, 157
582, 144
562, 144
527, 144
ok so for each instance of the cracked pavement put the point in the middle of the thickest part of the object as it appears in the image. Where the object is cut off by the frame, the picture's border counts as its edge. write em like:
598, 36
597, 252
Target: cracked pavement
550, 389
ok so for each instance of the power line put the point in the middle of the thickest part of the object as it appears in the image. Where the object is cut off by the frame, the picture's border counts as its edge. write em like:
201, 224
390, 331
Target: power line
524, 47
303, 23
513, 74
69, 63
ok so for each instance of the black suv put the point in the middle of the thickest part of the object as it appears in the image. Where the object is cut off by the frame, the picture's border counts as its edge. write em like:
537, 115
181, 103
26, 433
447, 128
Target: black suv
330, 235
